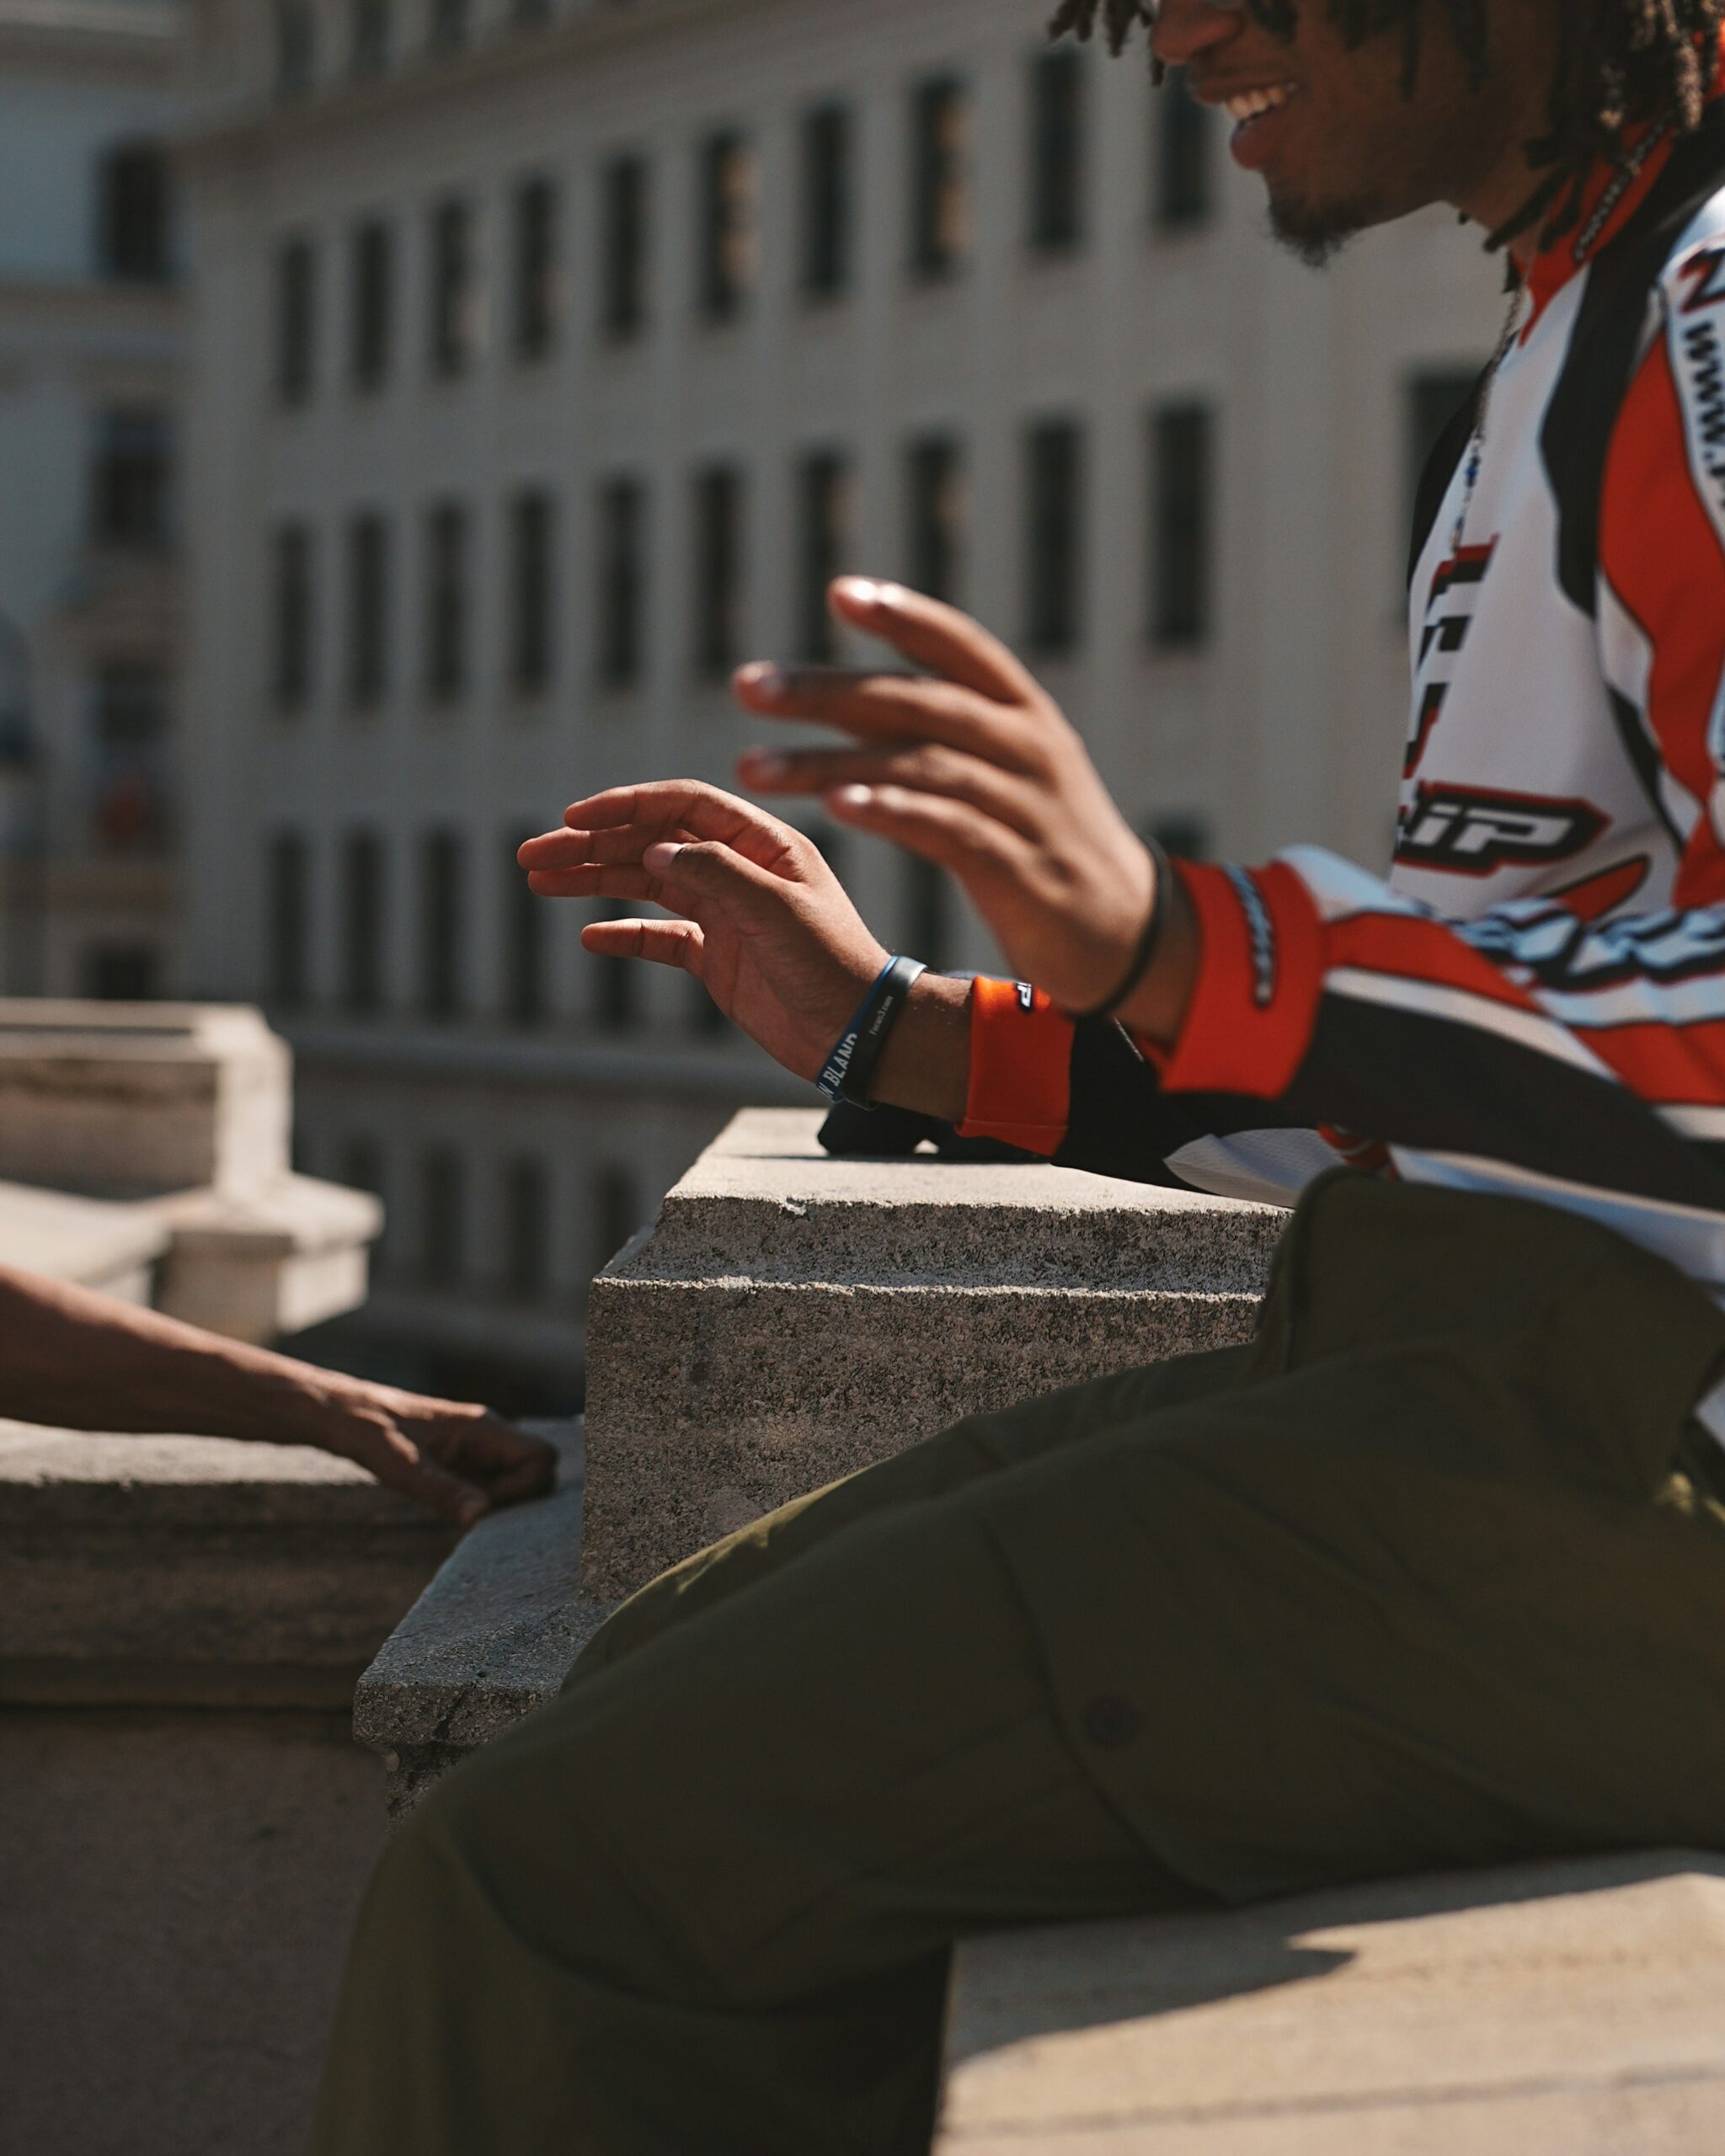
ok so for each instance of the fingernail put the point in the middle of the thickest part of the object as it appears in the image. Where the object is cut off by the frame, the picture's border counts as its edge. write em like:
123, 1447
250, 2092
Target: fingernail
763, 680
852, 796
659, 860
861, 590
762, 764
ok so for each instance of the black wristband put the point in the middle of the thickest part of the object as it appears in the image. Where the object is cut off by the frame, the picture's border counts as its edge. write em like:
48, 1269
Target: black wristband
1149, 943
850, 1069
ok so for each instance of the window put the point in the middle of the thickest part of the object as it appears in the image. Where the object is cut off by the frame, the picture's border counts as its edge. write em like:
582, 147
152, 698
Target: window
122, 972
1181, 525
1054, 536
443, 1217
940, 178
295, 321
622, 582
133, 478
368, 52
1183, 158
823, 538
361, 1165
448, 539
362, 924
293, 618
1057, 150
1185, 833
532, 581
296, 47
624, 247
441, 918
928, 913
718, 571
132, 801
287, 903
938, 507
526, 1230
454, 294
524, 947
826, 201
134, 239
451, 23
367, 610
372, 305
728, 236
537, 293
618, 1212
1434, 397
616, 1003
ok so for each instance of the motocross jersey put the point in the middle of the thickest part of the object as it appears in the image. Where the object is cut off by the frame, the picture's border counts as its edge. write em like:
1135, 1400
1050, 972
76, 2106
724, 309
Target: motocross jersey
1533, 1003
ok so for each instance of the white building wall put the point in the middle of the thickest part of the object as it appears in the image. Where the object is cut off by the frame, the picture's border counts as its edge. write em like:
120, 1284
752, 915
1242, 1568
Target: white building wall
1287, 725
77, 81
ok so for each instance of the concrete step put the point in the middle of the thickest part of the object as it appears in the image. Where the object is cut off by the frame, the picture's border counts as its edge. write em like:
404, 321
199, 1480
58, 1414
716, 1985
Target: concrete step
1562, 2010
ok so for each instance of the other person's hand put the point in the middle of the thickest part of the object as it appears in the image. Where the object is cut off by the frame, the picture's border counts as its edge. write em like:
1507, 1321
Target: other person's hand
969, 764
759, 918
459, 1459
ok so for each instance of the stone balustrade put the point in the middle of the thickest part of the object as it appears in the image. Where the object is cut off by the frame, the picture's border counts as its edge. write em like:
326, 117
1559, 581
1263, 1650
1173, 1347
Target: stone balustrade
144, 1152
791, 1317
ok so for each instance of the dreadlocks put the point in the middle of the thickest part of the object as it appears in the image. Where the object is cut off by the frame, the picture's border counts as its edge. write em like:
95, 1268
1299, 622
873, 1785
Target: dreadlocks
1620, 64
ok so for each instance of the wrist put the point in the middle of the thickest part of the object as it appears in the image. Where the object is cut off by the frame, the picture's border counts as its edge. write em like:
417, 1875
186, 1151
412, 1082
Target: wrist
1156, 1008
926, 1064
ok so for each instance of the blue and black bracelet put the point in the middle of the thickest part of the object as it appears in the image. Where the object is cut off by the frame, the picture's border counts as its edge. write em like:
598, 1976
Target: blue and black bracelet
850, 1069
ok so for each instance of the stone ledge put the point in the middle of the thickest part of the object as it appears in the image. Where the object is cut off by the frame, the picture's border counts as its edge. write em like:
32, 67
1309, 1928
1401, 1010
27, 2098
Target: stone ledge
1561, 2010
197, 1571
793, 1318
489, 1641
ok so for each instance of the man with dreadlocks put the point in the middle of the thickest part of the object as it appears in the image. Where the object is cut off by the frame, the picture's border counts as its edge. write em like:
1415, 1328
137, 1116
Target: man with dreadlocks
1433, 1573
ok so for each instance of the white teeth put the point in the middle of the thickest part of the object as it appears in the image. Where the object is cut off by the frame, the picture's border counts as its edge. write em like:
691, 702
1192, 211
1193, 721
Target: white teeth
1254, 103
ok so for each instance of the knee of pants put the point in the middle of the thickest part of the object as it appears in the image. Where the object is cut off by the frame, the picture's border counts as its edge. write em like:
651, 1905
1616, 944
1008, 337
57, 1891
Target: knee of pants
510, 1850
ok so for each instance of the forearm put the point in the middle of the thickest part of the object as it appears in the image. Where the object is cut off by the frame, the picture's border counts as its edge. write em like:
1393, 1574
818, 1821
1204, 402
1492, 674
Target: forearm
77, 1360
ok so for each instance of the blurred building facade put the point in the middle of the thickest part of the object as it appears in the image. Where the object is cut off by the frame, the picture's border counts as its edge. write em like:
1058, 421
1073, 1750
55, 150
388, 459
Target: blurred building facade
92, 340
551, 356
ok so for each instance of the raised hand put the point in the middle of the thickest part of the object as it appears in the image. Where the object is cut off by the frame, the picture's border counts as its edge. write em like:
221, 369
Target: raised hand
970, 764
760, 919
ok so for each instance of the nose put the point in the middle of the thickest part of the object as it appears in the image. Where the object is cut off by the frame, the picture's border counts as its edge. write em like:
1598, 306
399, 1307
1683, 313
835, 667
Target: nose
1187, 29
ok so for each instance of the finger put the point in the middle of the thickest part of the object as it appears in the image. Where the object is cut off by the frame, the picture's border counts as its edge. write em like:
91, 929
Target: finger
705, 811
923, 769
935, 637
974, 846
893, 707
634, 884
660, 942
509, 1463
400, 1465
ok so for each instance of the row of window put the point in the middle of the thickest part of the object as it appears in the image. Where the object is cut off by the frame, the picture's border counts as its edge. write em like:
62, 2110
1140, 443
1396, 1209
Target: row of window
373, 28
442, 894
727, 258
431, 1216
1181, 478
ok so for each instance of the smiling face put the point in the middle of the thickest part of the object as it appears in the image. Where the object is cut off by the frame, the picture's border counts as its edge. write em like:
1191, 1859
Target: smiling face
1340, 142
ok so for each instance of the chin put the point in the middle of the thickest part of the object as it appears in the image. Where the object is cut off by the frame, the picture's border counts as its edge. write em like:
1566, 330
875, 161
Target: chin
1317, 232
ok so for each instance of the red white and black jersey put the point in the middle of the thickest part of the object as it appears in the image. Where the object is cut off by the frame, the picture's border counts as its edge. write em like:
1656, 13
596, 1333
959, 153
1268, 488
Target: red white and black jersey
1533, 1002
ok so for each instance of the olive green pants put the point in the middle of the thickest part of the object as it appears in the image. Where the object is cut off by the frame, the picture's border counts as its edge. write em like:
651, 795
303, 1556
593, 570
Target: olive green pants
1432, 1575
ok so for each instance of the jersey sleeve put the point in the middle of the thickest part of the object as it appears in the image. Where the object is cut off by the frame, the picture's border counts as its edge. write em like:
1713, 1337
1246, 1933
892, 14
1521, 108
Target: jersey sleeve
1589, 1056
1661, 568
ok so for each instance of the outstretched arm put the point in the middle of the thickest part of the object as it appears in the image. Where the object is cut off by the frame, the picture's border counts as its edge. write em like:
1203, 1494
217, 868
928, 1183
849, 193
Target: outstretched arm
77, 1360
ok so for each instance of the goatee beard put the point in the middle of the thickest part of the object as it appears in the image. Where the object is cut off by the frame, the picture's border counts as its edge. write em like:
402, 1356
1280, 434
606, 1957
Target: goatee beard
1317, 233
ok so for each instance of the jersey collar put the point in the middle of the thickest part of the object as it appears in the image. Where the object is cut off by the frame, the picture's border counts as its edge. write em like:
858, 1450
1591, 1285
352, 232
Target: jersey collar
1612, 194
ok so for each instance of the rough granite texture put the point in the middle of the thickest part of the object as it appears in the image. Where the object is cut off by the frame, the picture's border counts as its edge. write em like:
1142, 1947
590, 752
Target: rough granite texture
197, 1571
491, 1639
1567, 2009
793, 1318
